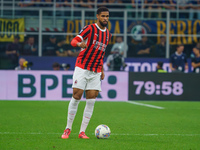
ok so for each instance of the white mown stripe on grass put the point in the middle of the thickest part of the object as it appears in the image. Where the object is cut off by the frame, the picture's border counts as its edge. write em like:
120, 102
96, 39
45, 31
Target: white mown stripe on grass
147, 105
126, 134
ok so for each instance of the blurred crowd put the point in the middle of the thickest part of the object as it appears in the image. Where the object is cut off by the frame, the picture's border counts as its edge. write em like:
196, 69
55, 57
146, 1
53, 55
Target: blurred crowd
116, 53
177, 62
190, 5
57, 46
52, 46
166, 4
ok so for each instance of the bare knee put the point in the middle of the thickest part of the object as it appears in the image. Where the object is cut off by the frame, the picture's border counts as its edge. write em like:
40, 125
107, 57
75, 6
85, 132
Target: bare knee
77, 93
77, 97
92, 94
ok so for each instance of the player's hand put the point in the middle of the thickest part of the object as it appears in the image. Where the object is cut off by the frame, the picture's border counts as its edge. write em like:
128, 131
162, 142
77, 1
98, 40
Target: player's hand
102, 75
82, 45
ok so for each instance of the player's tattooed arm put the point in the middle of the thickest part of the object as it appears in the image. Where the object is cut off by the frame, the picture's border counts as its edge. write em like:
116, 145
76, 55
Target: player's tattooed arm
82, 44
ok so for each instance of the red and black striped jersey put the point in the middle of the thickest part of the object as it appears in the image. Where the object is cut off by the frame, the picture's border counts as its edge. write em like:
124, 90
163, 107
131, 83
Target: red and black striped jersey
91, 58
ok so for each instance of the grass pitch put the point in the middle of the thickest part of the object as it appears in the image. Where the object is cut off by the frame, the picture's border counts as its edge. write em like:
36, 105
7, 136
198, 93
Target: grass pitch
38, 125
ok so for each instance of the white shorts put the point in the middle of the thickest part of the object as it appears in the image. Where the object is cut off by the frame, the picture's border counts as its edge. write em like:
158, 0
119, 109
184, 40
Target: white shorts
86, 80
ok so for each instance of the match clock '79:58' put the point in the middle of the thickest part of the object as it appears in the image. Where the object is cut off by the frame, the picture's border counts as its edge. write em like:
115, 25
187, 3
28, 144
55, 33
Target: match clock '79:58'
165, 88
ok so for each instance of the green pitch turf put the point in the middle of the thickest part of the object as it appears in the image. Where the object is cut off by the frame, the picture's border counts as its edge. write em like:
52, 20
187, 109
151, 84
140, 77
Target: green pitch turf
38, 125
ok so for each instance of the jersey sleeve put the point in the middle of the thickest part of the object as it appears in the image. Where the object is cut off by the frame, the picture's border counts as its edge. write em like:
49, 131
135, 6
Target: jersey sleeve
75, 41
84, 33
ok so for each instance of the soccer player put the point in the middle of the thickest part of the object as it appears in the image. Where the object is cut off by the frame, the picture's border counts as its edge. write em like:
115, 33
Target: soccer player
93, 40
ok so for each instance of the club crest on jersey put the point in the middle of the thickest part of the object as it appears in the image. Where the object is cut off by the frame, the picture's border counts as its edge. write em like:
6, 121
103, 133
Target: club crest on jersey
75, 81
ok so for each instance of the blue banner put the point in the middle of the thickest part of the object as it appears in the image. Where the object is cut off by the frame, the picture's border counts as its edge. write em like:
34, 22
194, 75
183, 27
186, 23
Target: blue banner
137, 28
180, 27
74, 26
159, 26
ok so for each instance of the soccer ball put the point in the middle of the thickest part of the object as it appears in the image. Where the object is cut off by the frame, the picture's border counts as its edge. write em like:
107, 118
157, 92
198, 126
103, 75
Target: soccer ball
102, 132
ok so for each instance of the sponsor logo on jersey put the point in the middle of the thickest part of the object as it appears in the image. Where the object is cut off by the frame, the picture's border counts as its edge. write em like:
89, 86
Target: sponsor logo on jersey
99, 45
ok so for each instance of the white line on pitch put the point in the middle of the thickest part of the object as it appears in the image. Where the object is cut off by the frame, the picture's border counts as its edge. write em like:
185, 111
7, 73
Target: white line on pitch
147, 105
126, 134
158, 134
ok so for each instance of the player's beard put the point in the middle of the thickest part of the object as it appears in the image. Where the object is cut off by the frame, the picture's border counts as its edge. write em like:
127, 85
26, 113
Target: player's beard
102, 24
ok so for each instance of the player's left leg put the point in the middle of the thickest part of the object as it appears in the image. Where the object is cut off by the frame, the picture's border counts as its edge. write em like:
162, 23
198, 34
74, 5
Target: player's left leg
90, 100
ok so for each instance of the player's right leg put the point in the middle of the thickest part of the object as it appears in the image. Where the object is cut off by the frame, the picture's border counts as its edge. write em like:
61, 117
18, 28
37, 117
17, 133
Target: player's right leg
79, 83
